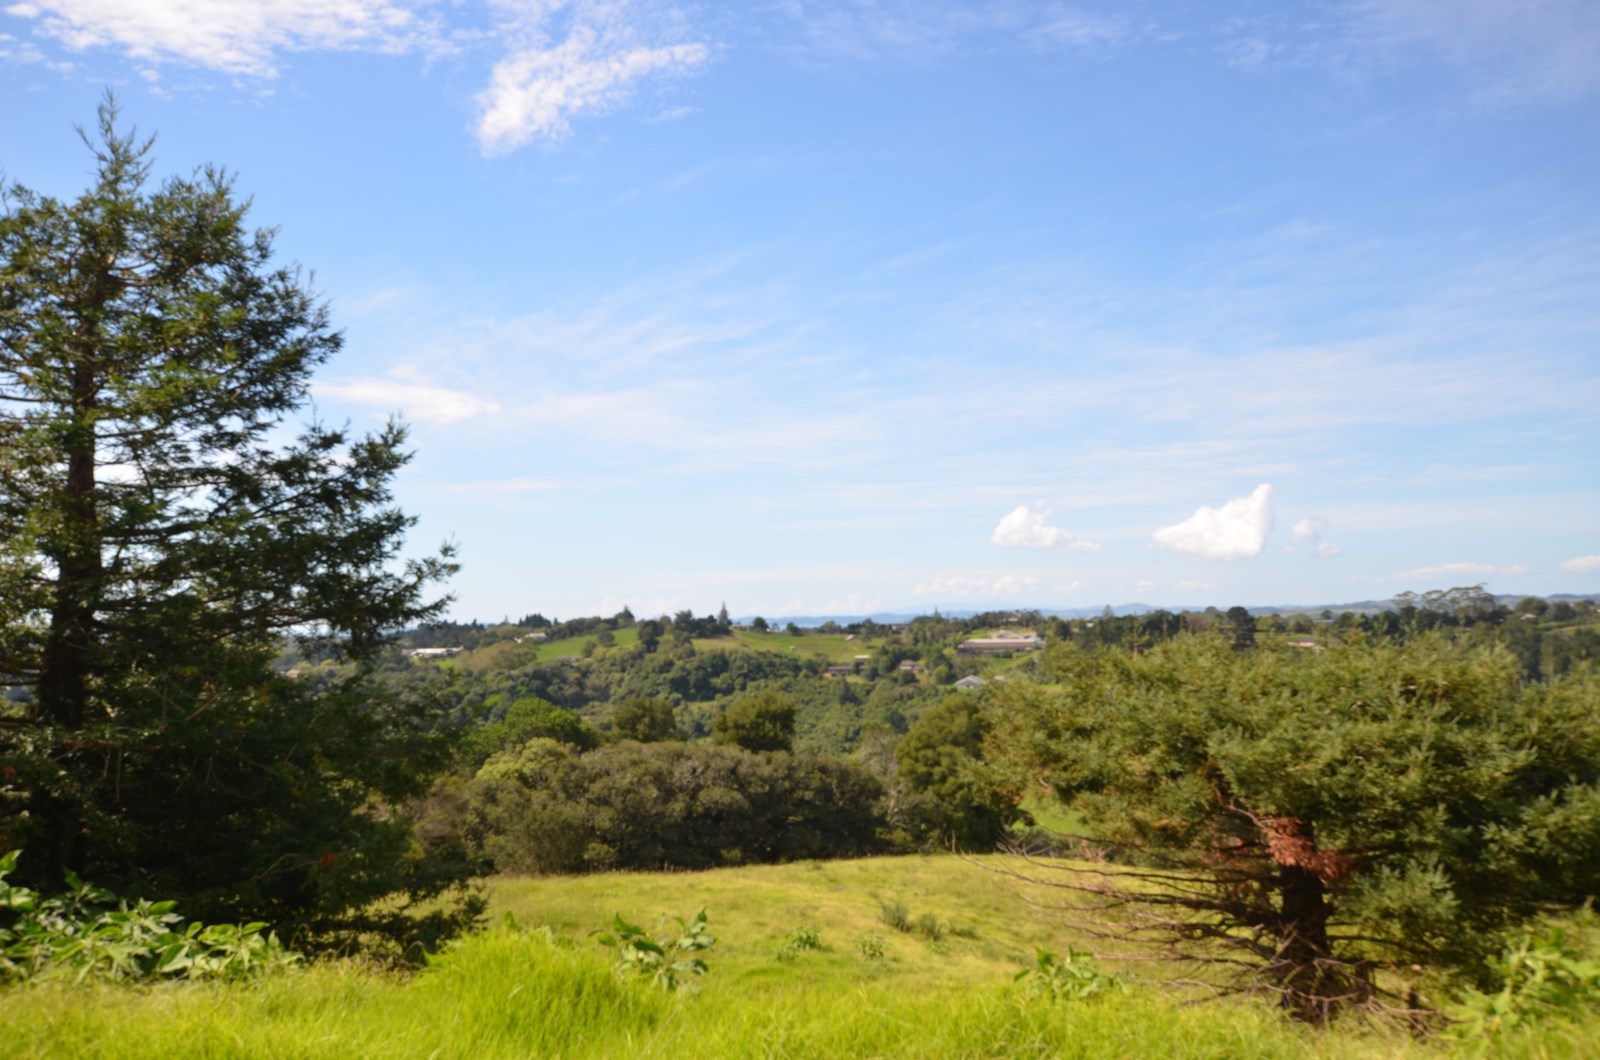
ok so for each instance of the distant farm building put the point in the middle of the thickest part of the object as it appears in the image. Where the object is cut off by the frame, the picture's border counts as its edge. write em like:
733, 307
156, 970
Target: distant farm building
433, 653
967, 684
1002, 643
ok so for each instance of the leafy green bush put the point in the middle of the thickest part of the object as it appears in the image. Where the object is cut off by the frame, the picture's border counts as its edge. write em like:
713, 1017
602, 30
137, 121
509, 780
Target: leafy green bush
1540, 978
639, 954
871, 947
89, 932
1074, 978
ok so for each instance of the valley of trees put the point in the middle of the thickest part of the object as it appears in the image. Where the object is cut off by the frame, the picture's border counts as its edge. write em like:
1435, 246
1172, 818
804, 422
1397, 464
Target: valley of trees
214, 692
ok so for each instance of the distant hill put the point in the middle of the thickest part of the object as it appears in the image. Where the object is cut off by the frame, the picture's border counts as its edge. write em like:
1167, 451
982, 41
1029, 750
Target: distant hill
908, 614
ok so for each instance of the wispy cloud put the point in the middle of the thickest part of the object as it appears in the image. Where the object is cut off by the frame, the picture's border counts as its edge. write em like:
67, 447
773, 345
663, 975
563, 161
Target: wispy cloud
1443, 570
963, 587
586, 57
1582, 564
926, 31
1028, 527
410, 395
1236, 530
1546, 50
242, 37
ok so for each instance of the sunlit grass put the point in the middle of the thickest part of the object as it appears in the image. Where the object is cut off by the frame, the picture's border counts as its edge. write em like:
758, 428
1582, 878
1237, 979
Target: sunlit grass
516, 993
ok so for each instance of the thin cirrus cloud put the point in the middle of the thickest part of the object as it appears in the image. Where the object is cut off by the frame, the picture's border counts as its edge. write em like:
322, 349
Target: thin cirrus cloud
1452, 570
1028, 527
411, 396
1548, 50
534, 93
565, 59
1235, 530
957, 587
232, 36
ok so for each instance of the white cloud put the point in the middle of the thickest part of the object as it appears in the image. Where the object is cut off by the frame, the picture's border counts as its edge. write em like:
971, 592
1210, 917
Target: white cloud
1306, 530
1076, 585
1194, 586
1443, 570
412, 397
852, 604
1582, 564
955, 587
1026, 527
1237, 530
232, 36
1143, 586
534, 92
1327, 550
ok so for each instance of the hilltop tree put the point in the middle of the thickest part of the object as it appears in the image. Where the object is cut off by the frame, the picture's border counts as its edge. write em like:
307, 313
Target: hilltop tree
161, 532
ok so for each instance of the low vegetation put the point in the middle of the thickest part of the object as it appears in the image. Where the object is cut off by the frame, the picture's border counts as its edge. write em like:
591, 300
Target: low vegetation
540, 985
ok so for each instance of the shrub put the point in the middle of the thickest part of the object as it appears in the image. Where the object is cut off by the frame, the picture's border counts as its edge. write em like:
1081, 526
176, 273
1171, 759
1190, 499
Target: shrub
89, 932
637, 954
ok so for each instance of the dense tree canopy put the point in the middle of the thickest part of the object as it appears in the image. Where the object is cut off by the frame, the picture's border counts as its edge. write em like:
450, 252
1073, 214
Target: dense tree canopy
757, 721
161, 530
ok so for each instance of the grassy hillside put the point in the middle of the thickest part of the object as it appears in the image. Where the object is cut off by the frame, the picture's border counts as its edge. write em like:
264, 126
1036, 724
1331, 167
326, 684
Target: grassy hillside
516, 993
832, 647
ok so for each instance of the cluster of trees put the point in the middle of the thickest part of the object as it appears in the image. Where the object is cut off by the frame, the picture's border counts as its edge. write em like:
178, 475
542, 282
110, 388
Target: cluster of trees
541, 791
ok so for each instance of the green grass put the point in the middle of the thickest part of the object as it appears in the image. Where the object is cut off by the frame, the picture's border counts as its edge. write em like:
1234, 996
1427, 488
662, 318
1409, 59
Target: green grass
512, 993
829, 646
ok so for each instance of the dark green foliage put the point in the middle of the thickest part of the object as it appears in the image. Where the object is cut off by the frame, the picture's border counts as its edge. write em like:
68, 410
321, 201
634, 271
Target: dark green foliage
664, 805
529, 719
644, 719
1329, 811
160, 531
941, 759
757, 721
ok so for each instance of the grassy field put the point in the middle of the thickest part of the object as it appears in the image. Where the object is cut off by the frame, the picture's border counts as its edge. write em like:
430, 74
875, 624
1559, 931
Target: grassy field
832, 647
511, 992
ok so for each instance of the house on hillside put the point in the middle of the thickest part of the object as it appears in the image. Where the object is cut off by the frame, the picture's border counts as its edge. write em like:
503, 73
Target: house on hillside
1004, 642
433, 653
967, 684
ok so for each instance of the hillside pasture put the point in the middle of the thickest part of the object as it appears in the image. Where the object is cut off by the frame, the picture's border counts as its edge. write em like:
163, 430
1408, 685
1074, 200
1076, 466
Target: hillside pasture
537, 984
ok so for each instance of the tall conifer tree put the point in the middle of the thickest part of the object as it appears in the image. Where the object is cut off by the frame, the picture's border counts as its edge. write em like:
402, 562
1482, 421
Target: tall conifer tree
162, 528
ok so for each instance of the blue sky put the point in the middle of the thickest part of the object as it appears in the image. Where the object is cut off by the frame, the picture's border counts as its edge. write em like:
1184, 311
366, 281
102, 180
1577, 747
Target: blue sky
842, 306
